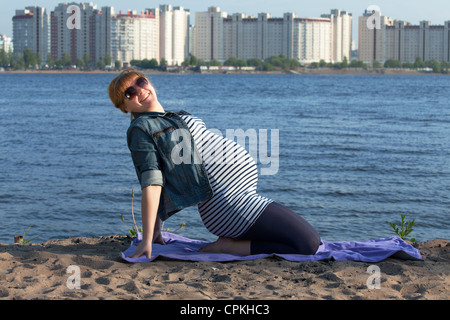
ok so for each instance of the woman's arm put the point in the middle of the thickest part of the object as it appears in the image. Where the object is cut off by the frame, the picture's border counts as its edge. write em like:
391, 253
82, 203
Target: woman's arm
149, 204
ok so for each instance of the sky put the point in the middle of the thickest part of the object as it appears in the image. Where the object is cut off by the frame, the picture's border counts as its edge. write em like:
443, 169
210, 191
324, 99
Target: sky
413, 11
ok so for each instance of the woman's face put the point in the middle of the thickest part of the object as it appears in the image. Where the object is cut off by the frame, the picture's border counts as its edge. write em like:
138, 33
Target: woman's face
142, 98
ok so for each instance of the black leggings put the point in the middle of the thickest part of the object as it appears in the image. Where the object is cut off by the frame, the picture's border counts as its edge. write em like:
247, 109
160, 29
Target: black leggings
279, 230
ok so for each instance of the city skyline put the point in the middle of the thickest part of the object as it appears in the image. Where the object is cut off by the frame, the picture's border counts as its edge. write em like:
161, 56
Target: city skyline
414, 11
163, 33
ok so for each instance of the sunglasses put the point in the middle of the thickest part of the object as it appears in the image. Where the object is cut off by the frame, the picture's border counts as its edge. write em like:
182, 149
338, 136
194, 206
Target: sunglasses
131, 92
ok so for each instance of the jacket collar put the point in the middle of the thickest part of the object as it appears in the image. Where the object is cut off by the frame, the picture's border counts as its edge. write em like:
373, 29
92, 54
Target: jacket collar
157, 114
136, 115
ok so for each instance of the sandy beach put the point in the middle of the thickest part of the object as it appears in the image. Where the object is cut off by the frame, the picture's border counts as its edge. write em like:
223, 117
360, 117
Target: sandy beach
42, 271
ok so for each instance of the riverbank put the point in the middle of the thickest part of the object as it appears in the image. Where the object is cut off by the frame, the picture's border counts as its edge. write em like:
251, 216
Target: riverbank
41, 271
300, 71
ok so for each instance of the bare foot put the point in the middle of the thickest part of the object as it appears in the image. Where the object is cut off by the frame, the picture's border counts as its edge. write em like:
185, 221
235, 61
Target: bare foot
228, 245
157, 238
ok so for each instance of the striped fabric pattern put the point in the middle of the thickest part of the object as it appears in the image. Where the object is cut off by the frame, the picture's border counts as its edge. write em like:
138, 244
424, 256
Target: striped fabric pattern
233, 175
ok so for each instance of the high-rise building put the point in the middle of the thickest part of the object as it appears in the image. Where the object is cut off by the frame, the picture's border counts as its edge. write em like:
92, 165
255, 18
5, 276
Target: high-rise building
372, 36
135, 36
30, 30
191, 41
153, 34
400, 40
174, 34
103, 37
219, 36
247, 37
81, 31
209, 34
313, 40
75, 31
6, 43
341, 34
240, 37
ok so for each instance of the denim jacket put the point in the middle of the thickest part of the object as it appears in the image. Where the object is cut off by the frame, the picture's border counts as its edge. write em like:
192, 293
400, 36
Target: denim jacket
155, 145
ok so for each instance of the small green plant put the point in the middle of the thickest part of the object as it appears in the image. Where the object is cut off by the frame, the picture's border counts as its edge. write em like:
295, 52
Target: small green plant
20, 239
135, 229
168, 230
404, 229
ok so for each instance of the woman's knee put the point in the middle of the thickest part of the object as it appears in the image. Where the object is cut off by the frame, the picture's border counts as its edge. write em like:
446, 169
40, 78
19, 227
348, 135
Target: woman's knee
314, 246
308, 246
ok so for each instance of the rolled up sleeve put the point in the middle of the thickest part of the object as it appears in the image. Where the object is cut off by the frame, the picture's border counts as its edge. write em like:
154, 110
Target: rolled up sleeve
145, 157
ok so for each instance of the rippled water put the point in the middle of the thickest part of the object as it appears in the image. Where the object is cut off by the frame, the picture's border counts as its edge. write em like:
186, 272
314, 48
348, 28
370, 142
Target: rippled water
355, 151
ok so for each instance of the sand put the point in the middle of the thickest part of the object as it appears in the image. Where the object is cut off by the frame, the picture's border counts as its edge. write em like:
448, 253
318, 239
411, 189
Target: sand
40, 271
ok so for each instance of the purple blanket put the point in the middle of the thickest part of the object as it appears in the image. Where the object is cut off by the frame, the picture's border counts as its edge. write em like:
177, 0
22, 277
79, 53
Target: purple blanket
181, 248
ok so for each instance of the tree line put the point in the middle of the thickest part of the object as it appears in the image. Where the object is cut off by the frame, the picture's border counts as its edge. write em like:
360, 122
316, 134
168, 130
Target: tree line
435, 65
32, 60
19, 61
269, 64
272, 63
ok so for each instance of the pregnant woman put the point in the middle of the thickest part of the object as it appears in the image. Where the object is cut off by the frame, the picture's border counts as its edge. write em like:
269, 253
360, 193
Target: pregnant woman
174, 177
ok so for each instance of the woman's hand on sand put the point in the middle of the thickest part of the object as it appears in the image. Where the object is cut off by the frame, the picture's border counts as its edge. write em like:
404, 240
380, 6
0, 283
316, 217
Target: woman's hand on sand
143, 248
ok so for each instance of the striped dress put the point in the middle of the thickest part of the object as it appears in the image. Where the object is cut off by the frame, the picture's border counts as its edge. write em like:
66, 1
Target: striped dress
233, 175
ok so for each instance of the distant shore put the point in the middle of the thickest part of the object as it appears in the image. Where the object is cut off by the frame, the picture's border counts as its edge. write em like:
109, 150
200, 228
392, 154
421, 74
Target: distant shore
300, 71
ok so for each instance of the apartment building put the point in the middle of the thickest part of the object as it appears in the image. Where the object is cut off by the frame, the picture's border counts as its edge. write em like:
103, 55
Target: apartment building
104, 30
209, 34
30, 30
135, 36
313, 40
221, 36
341, 34
400, 40
76, 29
6, 43
81, 30
174, 34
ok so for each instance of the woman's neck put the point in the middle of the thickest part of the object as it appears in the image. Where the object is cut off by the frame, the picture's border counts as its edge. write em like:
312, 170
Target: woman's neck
156, 107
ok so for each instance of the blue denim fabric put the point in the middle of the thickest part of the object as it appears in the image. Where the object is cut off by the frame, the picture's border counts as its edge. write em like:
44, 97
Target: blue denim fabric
152, 137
